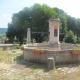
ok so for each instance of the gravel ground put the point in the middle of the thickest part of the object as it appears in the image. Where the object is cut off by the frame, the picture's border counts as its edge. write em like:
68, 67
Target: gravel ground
33, 72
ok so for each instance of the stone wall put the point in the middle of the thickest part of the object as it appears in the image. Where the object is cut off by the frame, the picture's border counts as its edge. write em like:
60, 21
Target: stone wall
45, 45
61, 56
67, 46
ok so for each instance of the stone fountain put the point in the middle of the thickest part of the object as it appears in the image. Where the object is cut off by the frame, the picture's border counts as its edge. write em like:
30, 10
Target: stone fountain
53, 49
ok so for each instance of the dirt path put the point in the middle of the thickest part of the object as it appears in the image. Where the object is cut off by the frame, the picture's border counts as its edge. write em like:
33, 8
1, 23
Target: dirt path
30, 71
3, 65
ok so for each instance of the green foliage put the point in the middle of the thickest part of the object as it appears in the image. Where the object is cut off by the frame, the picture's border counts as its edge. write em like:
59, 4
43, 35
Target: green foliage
39, 20
22, 46
62, 16
36, 18
4, 79
19, 58
78, 41
17, 47
76, 47
11, 32
35, 48
34, 41
70, 37
63, 42
10, 58
37, 66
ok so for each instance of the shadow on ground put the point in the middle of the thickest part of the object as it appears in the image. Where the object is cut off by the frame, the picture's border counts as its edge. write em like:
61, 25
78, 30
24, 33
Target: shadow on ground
21, 64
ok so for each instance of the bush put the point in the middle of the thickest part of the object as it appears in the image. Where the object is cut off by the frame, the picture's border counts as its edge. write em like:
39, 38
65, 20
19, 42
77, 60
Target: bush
78, 40
70, 37
17, 47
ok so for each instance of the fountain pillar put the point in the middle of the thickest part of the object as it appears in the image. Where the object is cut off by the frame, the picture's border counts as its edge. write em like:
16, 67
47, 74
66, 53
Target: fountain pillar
54, 32
28, 35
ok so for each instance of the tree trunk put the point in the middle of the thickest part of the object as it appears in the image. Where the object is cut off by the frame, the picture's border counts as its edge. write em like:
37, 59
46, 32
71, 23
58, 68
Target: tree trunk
21, 40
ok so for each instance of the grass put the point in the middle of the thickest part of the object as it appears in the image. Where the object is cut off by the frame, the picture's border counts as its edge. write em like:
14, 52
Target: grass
4, 79
36, 71
9, 58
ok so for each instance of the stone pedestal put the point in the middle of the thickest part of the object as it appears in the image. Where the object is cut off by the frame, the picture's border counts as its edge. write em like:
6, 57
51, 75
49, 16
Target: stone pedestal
54, 32
51, 63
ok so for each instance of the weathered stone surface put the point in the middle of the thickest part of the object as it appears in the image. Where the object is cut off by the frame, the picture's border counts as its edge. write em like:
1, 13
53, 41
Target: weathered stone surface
60, 56
28, 36
54, 32
51, 63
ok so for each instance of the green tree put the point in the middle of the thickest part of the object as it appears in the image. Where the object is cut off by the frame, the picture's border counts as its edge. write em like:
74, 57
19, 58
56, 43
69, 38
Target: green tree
11, 32
63, 24
18, 20
72, 24
70, 37
36, 18
39, 20
63, 17
78, 30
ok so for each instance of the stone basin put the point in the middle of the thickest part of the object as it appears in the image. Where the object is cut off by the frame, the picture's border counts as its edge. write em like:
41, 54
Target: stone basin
6, 46
61, 54
1, 45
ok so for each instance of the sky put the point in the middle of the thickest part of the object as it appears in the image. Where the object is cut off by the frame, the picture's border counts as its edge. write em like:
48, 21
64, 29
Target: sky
9, 7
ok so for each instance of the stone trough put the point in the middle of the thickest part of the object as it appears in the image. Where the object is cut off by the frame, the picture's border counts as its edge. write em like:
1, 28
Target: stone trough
6, 46
61, 55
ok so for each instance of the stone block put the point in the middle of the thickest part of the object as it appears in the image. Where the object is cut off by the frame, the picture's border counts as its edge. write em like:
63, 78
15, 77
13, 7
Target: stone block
51, 63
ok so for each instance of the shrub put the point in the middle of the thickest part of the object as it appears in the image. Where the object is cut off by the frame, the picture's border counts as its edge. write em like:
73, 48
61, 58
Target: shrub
70, 37
17, 47
78, 40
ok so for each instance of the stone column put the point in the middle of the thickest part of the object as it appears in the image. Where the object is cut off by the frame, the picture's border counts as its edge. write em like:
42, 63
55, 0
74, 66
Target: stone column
54, 32
28, 35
